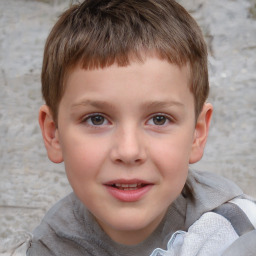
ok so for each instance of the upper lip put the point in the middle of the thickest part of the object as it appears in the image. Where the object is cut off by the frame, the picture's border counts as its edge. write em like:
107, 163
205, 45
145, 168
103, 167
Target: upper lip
127, 182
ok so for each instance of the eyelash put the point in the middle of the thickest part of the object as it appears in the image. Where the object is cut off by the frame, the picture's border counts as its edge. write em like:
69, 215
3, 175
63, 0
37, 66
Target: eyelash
88, 120
89, 117
168, 119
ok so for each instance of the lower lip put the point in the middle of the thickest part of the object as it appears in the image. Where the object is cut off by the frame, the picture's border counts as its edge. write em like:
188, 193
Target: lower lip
129, 195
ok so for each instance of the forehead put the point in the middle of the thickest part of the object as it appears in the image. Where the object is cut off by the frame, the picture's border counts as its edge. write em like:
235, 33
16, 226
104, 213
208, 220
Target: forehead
133, 58
151, 82
150, 70
146, 63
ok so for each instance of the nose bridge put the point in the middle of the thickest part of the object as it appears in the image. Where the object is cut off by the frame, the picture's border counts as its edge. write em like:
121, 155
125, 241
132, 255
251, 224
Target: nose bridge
129, 144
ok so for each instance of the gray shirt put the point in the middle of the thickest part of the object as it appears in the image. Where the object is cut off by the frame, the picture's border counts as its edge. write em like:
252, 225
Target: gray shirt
70, 229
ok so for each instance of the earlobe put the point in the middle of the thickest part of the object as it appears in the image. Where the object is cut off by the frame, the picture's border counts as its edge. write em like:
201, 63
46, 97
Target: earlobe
50, 134
201, 133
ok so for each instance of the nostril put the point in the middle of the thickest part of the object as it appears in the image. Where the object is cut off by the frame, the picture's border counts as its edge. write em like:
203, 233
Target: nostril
128, 150
119, 161
129, 162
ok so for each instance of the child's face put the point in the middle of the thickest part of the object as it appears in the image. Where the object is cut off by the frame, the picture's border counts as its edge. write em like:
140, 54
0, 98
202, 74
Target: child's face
127, 135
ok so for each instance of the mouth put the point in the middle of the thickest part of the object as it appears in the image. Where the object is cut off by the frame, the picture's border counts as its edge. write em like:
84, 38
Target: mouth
128, 186
128, 191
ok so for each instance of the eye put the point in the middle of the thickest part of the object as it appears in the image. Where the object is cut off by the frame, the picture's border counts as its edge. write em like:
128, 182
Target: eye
159, 120
95, 120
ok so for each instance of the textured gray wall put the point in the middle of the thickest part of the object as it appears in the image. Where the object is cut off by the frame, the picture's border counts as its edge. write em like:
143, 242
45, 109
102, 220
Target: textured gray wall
30, 184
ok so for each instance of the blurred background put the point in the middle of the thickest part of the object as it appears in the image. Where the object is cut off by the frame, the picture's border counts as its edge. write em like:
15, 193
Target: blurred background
30, 183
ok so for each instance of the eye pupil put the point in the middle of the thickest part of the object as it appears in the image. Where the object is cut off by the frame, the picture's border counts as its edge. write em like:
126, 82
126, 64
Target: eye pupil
97, 120
159, 120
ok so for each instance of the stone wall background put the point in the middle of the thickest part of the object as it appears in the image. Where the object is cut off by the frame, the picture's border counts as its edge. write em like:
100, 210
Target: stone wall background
30, 183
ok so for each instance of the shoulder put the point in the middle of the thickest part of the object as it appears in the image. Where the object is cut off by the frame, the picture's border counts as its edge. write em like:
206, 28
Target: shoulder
60, 229
228, 230
212, 183
62, 216
241, 214
205, 191
211, 193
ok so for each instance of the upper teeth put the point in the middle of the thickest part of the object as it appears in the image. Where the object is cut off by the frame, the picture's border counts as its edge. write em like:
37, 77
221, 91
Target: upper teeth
127, 185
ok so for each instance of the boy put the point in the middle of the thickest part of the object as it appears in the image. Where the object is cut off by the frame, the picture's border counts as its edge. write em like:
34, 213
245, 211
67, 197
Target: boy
125, 85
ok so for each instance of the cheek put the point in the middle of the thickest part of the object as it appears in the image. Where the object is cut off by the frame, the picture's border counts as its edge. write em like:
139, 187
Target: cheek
171, 159
173, 152
83, 157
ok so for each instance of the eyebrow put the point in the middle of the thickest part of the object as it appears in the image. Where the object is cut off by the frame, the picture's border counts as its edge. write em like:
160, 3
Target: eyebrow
93, 103
147, 105
163, 104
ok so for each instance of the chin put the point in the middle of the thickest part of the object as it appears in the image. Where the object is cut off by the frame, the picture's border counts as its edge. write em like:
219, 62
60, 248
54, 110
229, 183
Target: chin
133, 221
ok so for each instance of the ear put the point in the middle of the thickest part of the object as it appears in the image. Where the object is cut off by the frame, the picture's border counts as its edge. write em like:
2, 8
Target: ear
50, 134
201, 133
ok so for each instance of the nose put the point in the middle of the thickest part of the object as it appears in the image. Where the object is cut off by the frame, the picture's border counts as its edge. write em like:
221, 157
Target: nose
128, 146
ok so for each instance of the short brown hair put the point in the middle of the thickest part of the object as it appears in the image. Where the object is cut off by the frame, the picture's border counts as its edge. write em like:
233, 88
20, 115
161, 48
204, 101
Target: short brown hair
98, 33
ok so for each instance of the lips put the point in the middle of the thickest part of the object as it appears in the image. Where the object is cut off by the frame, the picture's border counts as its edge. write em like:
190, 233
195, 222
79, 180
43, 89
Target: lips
128, 186
128, 191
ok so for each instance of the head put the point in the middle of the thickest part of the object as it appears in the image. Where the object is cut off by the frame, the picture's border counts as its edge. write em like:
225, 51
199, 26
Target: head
125, 84
97, 34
